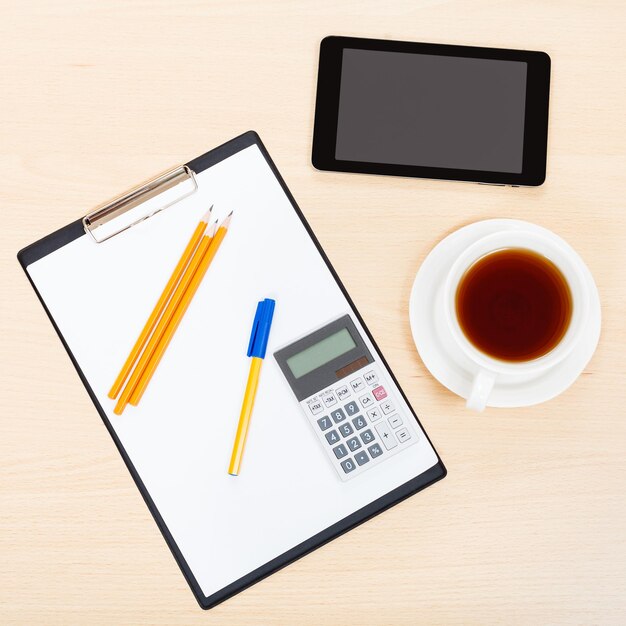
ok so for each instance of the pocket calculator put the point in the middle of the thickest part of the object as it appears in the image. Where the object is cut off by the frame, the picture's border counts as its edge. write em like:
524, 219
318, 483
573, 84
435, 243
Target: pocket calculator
343, 391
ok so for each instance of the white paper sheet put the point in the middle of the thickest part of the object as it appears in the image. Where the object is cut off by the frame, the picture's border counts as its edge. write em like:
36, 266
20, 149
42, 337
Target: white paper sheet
180, 437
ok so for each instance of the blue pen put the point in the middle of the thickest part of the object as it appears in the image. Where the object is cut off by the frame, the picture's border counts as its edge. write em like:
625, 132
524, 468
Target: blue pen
256, 349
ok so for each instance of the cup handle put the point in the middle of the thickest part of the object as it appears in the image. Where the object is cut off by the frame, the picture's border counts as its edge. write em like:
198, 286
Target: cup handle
481, 388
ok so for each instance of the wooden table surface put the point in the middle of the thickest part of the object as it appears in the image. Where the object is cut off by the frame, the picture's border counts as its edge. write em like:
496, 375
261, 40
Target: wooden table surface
528, 527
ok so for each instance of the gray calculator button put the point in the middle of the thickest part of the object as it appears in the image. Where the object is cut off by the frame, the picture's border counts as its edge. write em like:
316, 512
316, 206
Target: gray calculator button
361, 458
352, 408
370, 377
403, 435
346, 430
386, 435
375, 450
367, 436
359, 422
395, 421
354, 444
332, 437
340, 451
348, 465
374, 414
338, 415
324, 422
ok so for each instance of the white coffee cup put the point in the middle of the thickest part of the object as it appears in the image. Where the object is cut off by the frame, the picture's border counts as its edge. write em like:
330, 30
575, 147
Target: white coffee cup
487, 370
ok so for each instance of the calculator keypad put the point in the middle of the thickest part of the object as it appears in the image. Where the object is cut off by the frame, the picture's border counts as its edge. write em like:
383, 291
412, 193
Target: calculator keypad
358, 423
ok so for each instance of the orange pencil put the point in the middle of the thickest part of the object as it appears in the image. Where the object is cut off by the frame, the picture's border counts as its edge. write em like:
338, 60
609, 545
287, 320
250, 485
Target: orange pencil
179, 292
160, 305
180, 311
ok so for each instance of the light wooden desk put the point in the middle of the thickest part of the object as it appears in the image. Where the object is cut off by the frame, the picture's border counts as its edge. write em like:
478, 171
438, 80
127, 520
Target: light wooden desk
529, 525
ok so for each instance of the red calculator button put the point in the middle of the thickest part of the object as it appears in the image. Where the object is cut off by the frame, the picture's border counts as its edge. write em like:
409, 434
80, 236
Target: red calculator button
379, 393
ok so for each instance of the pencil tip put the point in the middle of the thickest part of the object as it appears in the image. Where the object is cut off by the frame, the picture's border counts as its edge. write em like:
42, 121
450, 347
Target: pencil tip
207, 215
226, 221
213, 229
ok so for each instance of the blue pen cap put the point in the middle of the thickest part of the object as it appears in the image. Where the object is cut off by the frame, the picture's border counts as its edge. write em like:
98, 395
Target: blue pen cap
261, 328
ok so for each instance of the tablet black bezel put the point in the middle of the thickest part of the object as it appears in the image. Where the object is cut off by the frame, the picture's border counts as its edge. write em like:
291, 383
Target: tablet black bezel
535, 122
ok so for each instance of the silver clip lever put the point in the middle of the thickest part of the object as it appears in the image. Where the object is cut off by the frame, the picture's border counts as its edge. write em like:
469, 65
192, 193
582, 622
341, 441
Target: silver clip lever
121, 205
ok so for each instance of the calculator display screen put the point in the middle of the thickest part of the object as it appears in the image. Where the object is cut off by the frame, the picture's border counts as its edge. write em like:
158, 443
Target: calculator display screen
321, 353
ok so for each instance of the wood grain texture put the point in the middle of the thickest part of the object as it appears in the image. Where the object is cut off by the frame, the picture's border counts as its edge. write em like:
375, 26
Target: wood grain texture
529, 525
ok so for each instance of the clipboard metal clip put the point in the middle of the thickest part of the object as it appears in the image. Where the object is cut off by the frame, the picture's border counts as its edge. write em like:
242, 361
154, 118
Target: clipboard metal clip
181, 177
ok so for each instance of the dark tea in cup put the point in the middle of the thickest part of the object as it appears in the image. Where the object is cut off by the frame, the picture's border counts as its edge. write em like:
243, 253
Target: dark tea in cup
513, 305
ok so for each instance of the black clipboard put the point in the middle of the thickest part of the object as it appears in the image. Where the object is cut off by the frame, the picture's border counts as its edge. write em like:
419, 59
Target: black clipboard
79, 228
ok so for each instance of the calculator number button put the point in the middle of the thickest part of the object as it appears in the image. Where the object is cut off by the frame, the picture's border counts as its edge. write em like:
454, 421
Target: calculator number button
340, 451
367, 436
346, 430
338, 416
359, 422
342, 392
375, 450
379, 393
357, 384
316, 406
352, 408
403, 435
395, 421
348, 466
374, 415
332, 437
324, 422
330, 399
354, 444
387, 407
366, 400
361, 458
386, 436
371, 378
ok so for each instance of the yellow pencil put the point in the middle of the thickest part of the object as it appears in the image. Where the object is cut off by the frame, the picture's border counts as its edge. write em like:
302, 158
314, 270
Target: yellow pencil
256, 349
160, 305
170, 309
190, 291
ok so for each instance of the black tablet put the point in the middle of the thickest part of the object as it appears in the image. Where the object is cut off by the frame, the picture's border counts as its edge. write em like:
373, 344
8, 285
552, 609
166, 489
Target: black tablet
432, 111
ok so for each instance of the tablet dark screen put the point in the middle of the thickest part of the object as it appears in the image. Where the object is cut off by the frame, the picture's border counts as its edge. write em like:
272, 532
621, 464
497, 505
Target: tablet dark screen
433, 111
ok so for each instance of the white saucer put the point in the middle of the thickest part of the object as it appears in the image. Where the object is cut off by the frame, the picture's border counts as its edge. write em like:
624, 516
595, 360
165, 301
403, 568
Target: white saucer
448, 364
